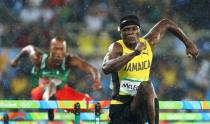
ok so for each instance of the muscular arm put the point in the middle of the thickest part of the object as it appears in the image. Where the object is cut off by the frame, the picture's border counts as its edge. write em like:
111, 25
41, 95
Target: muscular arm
80, 64
158, 31
114, 60
33, 53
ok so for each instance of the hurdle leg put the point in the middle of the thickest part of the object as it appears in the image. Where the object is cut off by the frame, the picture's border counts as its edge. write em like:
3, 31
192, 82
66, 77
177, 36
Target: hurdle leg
50, 114
6, 118
97, 113
51, 111
156, 111
77, 113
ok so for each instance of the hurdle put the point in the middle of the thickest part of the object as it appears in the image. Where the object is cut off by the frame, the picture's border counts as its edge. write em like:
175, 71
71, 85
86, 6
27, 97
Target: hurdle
32, 104
101, 111
29, 104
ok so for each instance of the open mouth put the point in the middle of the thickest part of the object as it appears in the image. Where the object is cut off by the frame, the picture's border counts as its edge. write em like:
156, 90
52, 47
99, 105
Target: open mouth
58, 60
131, 37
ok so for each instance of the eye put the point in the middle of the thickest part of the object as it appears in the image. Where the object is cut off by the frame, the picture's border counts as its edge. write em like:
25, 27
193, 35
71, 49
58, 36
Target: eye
135, 28
125, 29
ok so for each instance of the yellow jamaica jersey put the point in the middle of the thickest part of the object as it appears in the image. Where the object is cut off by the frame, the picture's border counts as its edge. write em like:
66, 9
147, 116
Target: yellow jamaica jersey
136, 70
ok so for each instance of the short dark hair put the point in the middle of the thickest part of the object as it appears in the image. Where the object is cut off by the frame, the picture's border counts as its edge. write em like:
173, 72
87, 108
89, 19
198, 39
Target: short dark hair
57, 39
129, 20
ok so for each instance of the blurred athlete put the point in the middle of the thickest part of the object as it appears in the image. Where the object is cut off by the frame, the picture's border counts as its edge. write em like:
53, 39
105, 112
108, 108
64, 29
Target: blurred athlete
51, 71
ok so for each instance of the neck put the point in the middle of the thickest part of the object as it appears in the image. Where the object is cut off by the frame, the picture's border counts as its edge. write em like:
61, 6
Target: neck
131, 45
51, 64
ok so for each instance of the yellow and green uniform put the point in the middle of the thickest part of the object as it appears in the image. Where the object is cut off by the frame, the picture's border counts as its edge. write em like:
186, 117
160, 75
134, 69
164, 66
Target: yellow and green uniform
128, 78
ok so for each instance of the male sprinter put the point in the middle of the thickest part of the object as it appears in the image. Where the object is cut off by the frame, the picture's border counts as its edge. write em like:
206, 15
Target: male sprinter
52, 71
129, 60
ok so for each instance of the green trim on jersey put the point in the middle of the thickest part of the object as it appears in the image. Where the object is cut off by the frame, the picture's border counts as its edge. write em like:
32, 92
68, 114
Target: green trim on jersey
61, 74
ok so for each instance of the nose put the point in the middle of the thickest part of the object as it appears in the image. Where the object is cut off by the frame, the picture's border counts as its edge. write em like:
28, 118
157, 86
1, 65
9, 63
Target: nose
130, 31
59, 56
58, 53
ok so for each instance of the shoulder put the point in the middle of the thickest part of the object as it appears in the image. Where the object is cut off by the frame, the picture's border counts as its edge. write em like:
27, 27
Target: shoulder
115, 50
115, 46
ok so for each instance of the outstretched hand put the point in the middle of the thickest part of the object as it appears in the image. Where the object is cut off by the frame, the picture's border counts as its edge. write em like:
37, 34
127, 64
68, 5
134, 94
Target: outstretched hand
192, 51
14, 63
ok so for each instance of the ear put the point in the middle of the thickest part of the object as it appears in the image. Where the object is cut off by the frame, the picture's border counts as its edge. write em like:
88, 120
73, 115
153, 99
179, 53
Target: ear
118, 28
138, 29
120, 34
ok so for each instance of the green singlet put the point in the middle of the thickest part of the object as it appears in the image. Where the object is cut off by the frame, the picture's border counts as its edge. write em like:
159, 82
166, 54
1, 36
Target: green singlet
59, 76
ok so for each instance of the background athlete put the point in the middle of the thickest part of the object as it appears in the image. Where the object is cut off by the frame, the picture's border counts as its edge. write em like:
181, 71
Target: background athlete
129, 61
51, 71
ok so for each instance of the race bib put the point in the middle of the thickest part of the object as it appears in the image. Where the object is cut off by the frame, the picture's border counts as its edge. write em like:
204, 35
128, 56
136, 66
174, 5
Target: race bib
45, 81
129, 87
56, 81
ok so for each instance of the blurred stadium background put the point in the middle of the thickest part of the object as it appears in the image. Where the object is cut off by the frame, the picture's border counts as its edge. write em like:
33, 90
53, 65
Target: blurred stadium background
89, 26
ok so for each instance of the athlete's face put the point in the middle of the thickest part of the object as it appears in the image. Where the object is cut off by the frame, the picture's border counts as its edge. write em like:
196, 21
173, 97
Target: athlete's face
57, 51
130, 34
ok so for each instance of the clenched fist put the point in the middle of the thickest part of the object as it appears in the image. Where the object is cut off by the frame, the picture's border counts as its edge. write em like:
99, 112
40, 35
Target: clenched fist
139, 47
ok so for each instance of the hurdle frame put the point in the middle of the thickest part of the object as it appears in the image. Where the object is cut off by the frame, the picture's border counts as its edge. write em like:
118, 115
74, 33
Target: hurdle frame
91, 105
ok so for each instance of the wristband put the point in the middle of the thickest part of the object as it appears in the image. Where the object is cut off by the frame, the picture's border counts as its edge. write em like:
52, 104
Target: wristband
136, 52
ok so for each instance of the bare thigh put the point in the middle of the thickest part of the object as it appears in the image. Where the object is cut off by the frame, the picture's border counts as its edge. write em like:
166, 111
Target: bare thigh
144, 93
